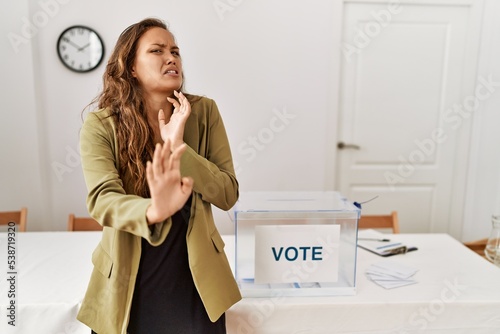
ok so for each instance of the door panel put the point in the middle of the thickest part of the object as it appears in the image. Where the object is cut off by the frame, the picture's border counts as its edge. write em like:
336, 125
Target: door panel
422, 197
399, 81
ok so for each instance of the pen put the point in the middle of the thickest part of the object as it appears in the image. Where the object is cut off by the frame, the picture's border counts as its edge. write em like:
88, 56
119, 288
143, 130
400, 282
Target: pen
375, 239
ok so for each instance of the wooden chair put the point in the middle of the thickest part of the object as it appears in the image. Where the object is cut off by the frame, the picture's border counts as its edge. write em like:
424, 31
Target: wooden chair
18, 217
380, 221
83, 224
477, 246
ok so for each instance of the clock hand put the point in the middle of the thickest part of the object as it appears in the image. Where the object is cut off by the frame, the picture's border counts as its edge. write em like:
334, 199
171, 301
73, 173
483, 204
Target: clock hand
71, 42
83, 47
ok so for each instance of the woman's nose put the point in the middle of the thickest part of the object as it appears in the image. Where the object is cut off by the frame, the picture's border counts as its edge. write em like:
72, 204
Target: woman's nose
170, 59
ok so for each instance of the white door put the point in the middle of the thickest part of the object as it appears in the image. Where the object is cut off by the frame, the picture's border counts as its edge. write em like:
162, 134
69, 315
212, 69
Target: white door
408, 87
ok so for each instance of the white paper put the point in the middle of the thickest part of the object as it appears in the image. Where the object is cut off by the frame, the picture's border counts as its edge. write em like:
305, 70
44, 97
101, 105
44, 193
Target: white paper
296, 253
391, 274
380, 243
394, 269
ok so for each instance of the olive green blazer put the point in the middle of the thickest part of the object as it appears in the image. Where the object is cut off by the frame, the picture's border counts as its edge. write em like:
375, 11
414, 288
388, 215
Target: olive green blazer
107, 302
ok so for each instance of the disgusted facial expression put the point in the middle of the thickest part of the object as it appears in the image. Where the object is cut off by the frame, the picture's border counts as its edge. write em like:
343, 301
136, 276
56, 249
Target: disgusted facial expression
157, 65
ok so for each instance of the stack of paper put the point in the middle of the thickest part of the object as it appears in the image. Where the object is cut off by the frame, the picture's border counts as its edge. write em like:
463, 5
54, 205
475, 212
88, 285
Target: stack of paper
390, 274
382, 244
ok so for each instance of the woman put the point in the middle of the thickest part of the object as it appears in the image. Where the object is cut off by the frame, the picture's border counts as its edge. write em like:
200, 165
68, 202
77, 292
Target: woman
160, 266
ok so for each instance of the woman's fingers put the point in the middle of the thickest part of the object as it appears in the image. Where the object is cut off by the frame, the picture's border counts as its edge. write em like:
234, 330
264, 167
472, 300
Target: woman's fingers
165, 160
174, 102
181, 105
182, 98
161, 118
165, 155
149, 173
185, 106
169, 191
175, 158
157, 167
179, 97
187, 185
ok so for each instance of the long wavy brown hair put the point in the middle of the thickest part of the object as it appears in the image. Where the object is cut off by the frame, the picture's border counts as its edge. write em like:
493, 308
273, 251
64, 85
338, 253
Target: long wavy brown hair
122, 95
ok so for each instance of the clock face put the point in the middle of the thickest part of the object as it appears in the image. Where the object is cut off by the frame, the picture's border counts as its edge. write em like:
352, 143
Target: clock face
80, 48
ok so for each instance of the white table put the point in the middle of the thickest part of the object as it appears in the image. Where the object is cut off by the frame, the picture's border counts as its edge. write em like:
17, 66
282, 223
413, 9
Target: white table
458, 292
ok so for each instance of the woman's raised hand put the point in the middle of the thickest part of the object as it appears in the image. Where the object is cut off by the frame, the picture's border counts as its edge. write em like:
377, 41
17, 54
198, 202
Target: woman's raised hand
169, 191
174, 129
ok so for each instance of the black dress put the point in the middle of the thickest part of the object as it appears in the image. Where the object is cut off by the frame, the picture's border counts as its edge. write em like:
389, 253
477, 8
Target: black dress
165, 298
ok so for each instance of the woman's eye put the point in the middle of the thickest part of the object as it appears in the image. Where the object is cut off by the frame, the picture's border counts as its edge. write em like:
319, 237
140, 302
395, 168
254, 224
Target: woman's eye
175, 53
156, 51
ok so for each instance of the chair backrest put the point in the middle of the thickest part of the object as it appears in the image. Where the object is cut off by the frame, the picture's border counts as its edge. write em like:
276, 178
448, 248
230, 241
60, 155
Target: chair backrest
83, 224
380, 221
19, 217
477, 246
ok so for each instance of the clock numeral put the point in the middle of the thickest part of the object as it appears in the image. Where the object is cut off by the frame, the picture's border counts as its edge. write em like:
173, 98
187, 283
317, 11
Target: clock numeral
65, 39
66, 57
80, 31
72, 32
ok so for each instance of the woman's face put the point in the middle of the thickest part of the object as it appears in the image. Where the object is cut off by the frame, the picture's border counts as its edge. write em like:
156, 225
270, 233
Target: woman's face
157, 65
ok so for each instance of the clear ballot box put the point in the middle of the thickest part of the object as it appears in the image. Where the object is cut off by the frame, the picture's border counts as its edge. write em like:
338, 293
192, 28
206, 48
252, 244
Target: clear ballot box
295, 244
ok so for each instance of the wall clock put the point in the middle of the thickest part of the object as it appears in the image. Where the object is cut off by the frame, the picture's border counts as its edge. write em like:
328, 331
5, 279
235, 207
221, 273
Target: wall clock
80, 48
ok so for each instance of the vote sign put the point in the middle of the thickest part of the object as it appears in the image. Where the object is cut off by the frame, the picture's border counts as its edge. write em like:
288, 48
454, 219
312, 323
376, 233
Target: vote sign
296, 253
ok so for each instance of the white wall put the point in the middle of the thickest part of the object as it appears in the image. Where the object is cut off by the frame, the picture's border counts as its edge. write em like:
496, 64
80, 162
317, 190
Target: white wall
21, 176
255, 58
483, 195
